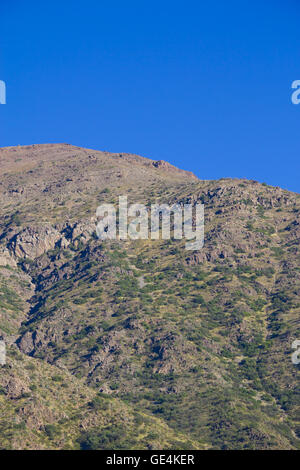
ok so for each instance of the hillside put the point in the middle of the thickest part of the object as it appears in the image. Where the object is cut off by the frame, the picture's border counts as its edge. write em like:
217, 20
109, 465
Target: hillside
182, 349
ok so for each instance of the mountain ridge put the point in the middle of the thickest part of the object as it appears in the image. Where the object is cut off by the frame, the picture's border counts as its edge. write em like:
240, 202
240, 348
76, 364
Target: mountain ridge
199, 340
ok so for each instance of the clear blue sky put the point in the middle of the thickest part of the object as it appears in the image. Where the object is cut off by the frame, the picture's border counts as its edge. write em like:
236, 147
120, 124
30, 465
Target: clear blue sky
204, 85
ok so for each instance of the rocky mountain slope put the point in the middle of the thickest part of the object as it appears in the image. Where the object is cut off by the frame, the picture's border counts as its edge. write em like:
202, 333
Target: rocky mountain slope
143, 344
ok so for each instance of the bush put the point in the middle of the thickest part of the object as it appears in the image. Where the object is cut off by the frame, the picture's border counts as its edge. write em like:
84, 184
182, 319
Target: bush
111, 438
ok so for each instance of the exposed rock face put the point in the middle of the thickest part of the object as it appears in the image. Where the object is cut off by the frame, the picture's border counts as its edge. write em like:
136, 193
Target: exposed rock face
15, 388
166, 166
172, 354
162, 164
26, 343
6, 259
82, 230
33, 242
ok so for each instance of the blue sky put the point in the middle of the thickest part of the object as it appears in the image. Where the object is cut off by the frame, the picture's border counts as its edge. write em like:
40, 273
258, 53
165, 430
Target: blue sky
204, 85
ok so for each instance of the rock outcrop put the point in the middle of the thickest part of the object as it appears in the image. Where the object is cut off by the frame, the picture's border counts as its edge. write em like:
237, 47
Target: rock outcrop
34, 241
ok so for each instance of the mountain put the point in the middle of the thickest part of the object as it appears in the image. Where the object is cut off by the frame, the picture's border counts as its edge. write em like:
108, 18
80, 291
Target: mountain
142, 344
